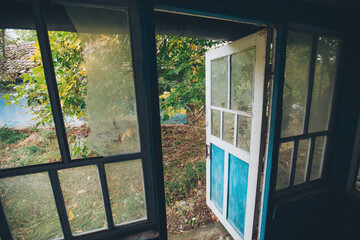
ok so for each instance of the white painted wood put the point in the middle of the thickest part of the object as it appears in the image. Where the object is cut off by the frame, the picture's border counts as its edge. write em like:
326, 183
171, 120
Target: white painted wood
208, 124
264, 201
232, 111
221, 124
235, 129
230, 148
229, 81
257, 41
226, 184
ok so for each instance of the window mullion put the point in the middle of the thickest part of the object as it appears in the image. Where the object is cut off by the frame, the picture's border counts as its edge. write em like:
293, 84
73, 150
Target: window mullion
147, 100
311, 82
45, 49
5, 232
309, 164
106, 196
293, 163
60, 204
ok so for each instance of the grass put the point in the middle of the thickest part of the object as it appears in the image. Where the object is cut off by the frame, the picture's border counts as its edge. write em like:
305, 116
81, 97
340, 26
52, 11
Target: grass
8, 136
28, 200
28, 147
29, 203
184, 158
29, 207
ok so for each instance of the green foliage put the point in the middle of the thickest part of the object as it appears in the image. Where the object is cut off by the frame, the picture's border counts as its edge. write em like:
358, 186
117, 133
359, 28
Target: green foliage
181, 70
71, 80
79, 149
19, 36
8, 136
183, 180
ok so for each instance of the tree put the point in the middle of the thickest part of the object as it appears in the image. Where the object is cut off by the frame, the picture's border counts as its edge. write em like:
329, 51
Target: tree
71, 80
181, 70
181, 67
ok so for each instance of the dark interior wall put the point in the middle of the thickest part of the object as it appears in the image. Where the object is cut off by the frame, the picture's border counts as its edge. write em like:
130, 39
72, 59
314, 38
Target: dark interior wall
306, 217
271, 11
329, 213
345, 208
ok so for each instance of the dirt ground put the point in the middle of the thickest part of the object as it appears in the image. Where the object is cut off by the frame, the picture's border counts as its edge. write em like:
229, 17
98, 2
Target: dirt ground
184, 145
189, 214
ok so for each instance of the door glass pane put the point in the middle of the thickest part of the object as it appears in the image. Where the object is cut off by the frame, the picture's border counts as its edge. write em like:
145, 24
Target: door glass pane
298, 53
242, 75
30, 207
318, 157
284, 163
126, 189
215, 123
219, 82
217, 176
228, 128
27, 133
94, 73
301, 161
83, 198
238, 183
244, 132
324, 79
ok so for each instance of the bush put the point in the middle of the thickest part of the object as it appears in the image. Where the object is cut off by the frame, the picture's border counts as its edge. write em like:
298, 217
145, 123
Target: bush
8, 136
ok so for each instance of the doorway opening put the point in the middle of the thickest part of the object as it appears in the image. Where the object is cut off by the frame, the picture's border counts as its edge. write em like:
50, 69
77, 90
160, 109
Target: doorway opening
182, 41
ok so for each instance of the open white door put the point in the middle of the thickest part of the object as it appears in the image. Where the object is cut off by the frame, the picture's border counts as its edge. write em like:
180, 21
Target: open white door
235, 75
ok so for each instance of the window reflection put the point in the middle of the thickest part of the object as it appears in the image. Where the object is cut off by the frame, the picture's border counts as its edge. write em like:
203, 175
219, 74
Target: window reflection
298, 54
94, 73
323, 87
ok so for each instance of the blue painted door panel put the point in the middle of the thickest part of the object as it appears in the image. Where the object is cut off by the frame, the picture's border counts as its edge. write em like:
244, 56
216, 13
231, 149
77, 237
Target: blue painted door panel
238, 182
217, 176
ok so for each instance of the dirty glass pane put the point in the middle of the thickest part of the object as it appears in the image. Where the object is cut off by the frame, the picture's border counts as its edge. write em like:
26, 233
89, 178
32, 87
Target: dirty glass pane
238, 186
242, 74
298, 54
318, 157
126, 189
228, 128
219, 82
301, 161
30, 207
94, 72
83, 198
215, 123
284, 164
324, 79
27, 133
244, 132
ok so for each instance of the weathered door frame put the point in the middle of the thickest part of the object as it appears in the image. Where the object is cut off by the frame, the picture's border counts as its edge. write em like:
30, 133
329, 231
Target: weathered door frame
274, 72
